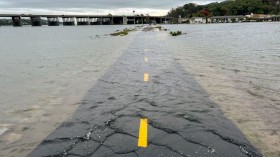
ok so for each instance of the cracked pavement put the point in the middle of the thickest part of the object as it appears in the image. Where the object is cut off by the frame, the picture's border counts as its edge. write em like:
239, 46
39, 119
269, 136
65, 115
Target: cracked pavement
182, 120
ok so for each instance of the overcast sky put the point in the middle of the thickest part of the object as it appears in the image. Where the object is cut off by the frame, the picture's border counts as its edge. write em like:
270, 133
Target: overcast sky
115, 7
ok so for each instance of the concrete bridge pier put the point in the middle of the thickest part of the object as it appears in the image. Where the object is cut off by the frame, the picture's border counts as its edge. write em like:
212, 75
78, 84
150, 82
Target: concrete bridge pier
131, 20
53, 21
36, 21
106, 20
97, 21
94, 21
124, 20
82, 21
112, 21
91, 21
16, 21
101, 21
68, 21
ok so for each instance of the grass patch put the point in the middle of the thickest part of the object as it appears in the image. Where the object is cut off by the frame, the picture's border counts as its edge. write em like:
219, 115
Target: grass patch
122, 33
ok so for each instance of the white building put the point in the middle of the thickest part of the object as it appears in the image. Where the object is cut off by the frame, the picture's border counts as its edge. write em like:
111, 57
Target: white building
198, 20
227, 19
183, 20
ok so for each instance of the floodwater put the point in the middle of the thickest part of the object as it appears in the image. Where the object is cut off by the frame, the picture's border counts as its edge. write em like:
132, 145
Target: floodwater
239, 67
49, 72
45, 72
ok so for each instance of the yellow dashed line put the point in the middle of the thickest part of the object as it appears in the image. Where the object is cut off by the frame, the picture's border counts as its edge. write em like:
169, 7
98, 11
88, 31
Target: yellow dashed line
143, 133
146, 59
146, 77
143, 130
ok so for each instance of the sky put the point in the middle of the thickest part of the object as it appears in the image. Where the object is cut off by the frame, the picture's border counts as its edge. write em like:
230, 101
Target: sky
95, 7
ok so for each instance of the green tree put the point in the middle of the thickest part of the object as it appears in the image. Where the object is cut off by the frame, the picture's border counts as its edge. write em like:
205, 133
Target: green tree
229, 7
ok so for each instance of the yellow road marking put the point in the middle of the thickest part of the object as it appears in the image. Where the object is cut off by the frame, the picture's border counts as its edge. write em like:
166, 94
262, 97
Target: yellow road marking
146, 77
143, 133
146, 59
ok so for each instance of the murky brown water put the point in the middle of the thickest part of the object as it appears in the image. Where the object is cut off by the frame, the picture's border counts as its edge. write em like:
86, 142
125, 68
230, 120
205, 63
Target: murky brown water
44, 80
239, 66
44, 72
181, 119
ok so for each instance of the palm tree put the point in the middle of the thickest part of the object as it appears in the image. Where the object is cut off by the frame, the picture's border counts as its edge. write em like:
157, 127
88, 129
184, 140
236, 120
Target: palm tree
134, 16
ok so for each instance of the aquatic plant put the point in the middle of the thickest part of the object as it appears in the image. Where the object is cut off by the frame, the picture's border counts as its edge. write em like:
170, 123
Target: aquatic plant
176, 33
123, 32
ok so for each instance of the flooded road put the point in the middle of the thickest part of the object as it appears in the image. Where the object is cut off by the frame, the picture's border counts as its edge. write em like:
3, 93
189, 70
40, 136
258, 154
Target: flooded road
178, 90
239, 67
147, 82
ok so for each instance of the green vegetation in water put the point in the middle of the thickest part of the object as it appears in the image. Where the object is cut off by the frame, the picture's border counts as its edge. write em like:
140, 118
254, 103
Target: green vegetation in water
123, 32
176, 33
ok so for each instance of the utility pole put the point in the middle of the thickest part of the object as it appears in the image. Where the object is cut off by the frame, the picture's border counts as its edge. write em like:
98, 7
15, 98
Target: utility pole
134, 16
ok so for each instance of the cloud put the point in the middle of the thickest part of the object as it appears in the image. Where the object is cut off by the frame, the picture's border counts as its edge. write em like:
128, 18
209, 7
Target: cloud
152, 7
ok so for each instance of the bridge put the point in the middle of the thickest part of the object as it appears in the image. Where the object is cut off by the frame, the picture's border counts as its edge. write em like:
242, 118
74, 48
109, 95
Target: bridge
72, 20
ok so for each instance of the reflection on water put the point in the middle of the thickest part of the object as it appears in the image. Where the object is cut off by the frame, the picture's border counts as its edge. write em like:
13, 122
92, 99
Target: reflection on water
44, 72
239, 66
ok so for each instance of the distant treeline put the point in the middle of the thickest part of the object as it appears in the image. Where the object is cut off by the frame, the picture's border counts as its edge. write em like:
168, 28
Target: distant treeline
229, 7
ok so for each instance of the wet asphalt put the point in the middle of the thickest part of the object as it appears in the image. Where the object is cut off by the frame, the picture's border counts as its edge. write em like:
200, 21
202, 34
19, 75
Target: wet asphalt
182, 120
